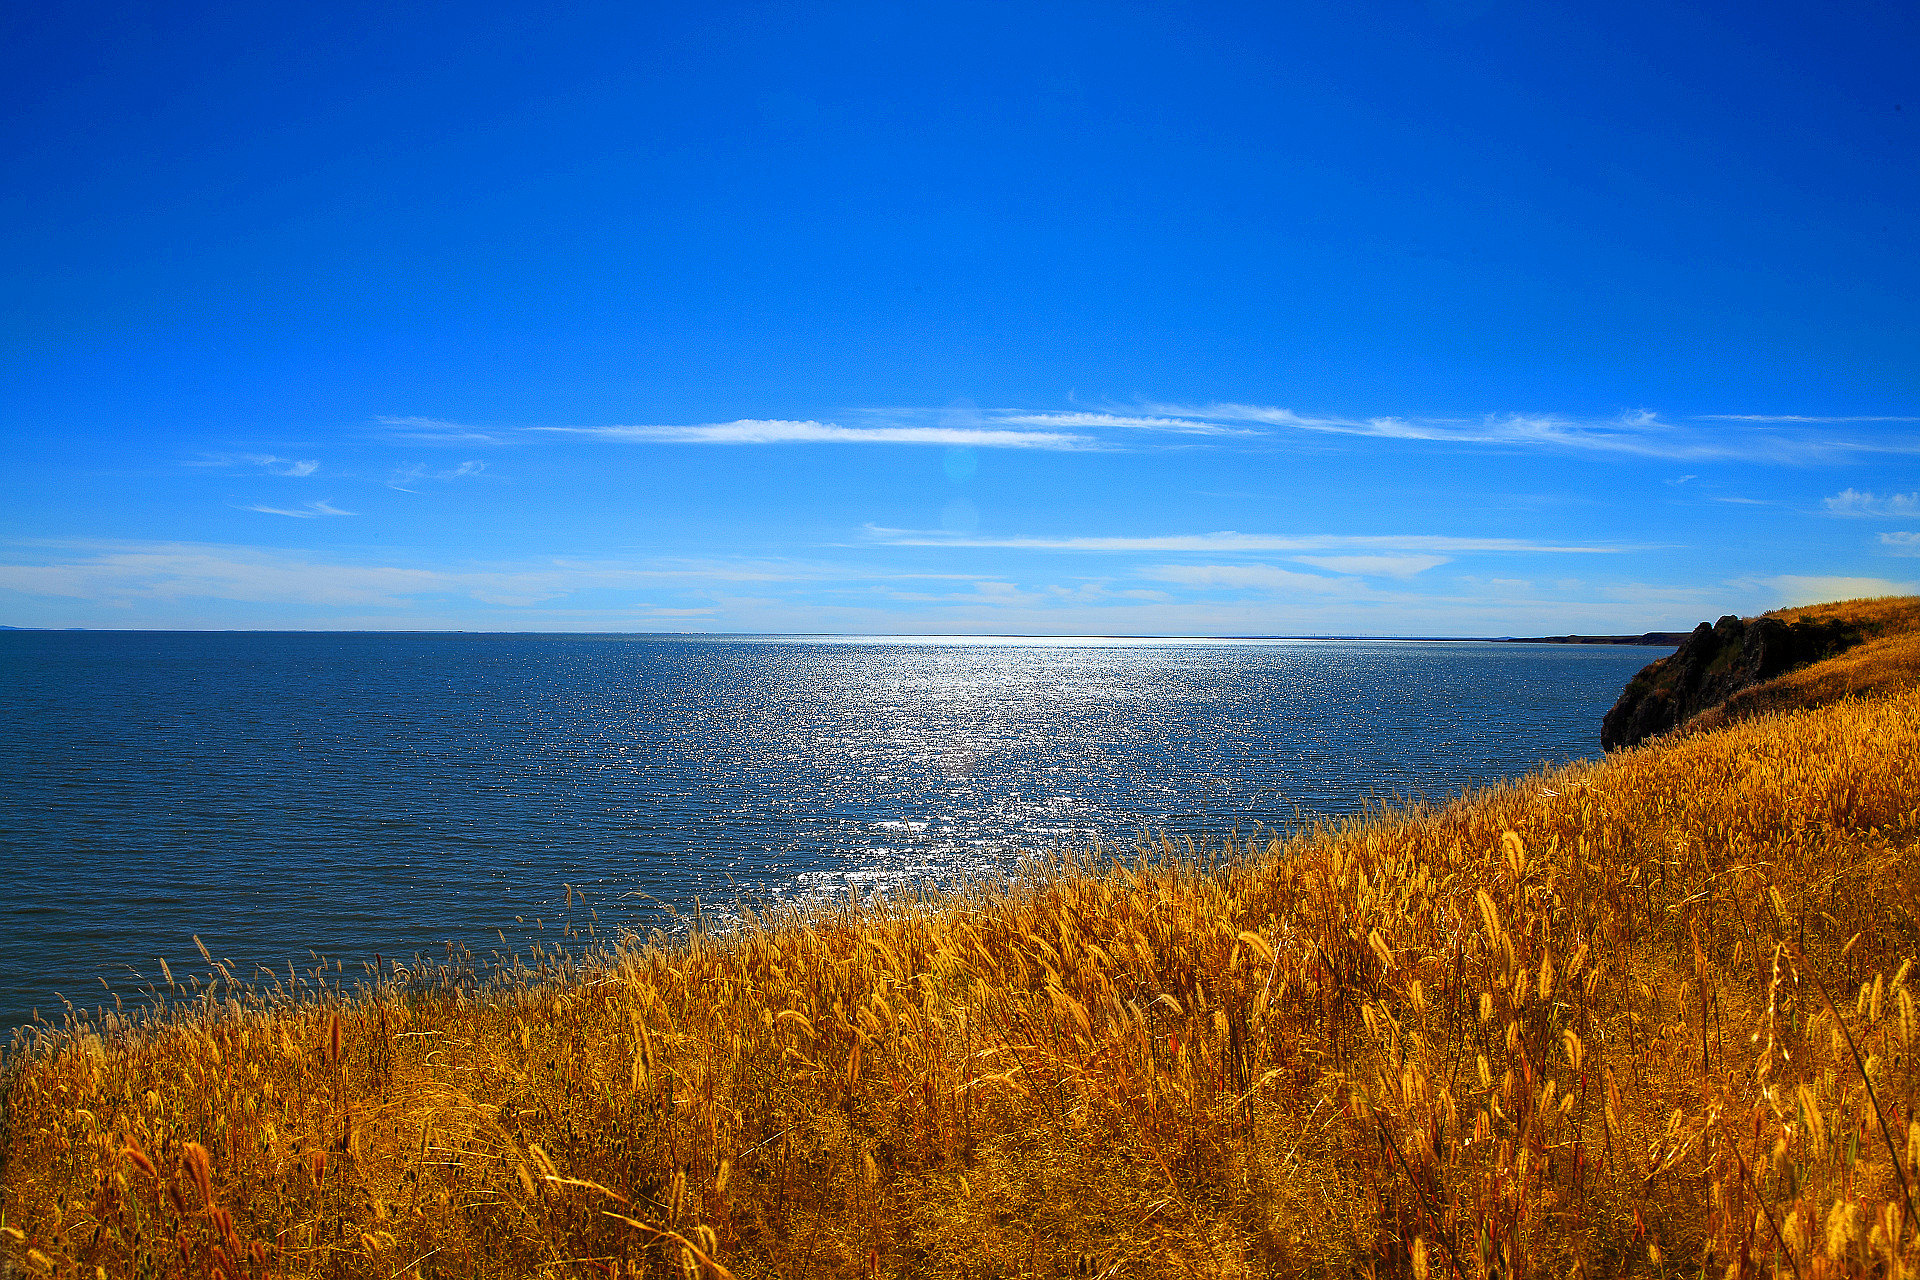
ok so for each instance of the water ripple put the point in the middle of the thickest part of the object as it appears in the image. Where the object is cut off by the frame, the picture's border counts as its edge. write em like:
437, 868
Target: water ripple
347, 794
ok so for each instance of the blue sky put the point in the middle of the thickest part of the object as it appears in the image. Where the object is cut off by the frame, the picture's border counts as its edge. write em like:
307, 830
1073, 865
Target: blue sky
1457, 317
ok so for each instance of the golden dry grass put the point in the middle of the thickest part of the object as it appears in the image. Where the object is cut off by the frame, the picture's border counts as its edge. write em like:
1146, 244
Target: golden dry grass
1872, 616
1653, 1014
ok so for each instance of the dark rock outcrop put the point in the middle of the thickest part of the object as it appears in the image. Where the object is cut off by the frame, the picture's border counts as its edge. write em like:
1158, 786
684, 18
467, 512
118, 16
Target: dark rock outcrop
1712, 665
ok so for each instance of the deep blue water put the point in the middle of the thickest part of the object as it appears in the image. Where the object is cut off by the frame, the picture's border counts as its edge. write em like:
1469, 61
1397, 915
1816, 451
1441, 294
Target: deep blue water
357, 793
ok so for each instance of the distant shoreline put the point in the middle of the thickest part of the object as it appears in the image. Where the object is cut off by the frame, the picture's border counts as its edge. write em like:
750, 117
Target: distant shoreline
1662, 639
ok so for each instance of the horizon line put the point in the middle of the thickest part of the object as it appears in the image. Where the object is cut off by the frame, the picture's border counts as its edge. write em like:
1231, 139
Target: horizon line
833, 635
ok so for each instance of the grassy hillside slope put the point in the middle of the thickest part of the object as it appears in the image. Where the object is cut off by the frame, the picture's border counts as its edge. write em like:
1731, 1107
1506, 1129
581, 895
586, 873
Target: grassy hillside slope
1648, 1015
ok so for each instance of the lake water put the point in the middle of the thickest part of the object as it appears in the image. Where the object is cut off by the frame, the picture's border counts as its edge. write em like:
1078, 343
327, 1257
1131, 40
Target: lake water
348, 794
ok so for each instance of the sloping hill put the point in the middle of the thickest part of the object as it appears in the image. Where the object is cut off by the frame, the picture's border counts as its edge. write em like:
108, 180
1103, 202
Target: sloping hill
1653, 1014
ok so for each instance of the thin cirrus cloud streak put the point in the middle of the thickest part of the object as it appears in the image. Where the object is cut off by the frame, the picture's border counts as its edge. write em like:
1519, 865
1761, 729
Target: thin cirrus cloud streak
1382, 566
1641, 433
749, 431
1433, 544
436, 431
405, 477
1777, 439
270, 463
307, 511
1259, 577
1122, 422
1799, 417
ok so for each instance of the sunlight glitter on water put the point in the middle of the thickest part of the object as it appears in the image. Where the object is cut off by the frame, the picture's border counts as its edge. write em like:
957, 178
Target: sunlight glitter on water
361, 793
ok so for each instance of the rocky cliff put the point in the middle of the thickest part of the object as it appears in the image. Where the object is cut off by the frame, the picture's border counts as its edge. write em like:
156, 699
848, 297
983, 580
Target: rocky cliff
1714, 663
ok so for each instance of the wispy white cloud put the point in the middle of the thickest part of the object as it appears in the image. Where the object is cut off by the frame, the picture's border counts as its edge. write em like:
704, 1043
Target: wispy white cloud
1262, 577
1434, 544
778, 431
1642, 433
1854, 502
1388, 566
1901, 544
1124, 422
306, 511
267, 462
1797, 417
418, 472
436, 431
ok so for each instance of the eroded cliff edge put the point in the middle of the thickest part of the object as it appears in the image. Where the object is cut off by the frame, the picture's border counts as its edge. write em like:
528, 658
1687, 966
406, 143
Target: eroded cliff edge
1715, 663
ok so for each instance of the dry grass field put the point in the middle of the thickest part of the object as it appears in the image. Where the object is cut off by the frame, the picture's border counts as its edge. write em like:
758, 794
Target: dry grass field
1653, 1015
